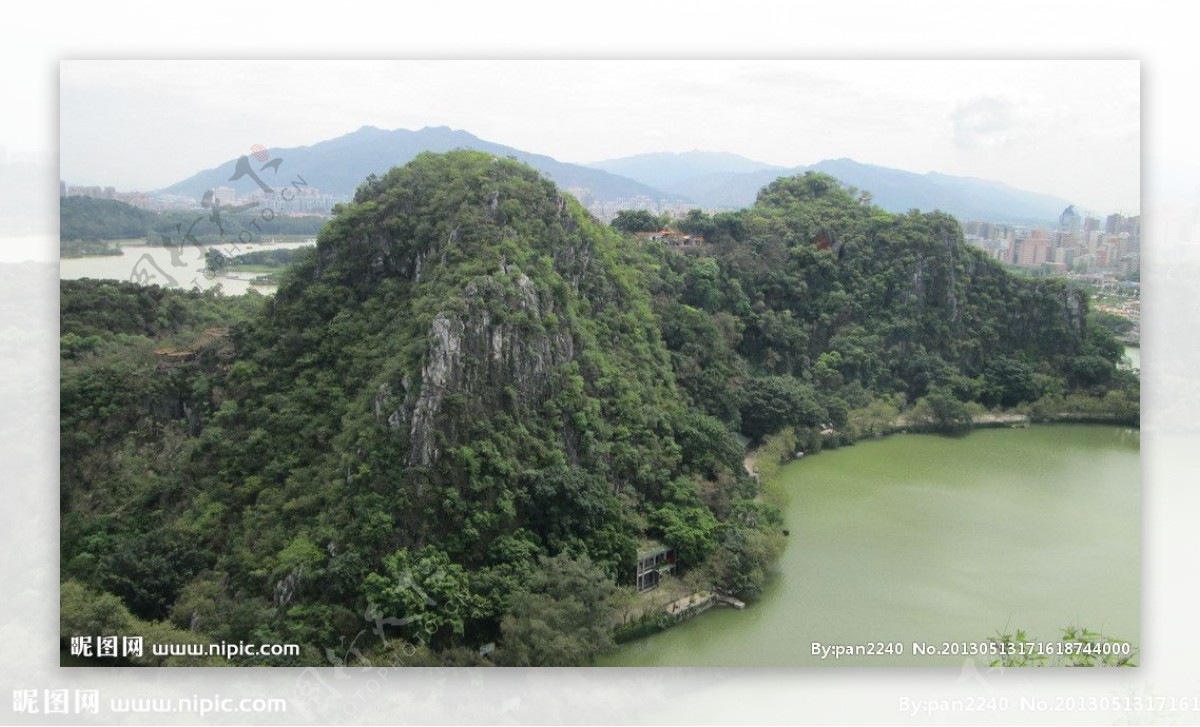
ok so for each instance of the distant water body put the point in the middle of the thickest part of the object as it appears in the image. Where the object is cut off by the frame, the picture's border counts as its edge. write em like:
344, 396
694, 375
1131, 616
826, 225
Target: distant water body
158, 265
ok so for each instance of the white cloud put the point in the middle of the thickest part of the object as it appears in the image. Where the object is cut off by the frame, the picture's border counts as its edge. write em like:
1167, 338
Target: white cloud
983, 123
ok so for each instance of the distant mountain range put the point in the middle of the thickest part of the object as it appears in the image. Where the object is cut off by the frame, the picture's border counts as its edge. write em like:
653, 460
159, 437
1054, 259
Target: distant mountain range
668, 170
338, 166
728, 180
705, 179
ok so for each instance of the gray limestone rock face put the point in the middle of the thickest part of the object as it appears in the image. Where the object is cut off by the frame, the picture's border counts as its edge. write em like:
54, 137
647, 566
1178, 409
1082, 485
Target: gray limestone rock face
508, 337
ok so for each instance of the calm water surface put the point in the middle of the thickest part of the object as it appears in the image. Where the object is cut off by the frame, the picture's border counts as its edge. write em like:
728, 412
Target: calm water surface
928, 538
157, 263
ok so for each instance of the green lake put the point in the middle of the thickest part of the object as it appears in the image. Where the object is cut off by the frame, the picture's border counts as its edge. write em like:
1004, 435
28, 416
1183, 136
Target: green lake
923, 538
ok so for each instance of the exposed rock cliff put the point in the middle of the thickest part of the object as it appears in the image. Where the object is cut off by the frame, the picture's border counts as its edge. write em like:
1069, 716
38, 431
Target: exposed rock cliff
479, 354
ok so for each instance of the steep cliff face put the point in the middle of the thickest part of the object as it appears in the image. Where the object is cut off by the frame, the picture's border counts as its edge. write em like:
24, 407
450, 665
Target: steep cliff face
478, 355
495, 279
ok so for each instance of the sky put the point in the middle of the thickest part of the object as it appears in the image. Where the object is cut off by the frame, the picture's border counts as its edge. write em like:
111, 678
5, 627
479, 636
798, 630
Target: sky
1066, 128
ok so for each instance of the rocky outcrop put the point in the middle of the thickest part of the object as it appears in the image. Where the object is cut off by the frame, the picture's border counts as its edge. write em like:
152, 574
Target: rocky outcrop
509, 337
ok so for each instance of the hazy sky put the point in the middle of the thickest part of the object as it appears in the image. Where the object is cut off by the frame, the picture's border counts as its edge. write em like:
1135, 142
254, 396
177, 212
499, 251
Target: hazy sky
1068, 128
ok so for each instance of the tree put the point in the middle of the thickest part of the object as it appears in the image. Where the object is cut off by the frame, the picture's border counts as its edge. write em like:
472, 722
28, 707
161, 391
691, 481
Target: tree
90, 219
1008, 382
148, 570
942, 411
1089, 371
215, 261
878, 416
562, 618
1114, 324
691, 530
774, 402
86, 612
696, 222
424, 595
637, 221
567, 502
703, 284
749, 545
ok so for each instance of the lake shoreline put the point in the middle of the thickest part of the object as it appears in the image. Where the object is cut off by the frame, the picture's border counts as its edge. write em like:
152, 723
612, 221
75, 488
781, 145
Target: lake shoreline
770, 457
137, 261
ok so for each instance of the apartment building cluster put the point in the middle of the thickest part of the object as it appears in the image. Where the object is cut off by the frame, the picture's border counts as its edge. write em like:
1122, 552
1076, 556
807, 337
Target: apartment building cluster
1080, 244
295, 200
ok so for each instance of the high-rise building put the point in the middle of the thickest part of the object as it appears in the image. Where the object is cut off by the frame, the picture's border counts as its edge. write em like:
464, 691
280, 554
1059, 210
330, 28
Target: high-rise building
1113, 223
1068, 221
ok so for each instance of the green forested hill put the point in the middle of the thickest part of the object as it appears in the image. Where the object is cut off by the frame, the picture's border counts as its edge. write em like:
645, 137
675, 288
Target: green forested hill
843, 304
465, 408
464, 383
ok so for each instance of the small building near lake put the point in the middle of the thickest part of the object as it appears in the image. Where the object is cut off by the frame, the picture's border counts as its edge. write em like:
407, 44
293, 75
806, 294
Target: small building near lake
654, 560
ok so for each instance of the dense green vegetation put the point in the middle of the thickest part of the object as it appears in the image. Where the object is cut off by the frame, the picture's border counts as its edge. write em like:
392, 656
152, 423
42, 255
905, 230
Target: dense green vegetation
91, 220
464, 409
279, 258
464, 385
639, 221
810, 309
87, 220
